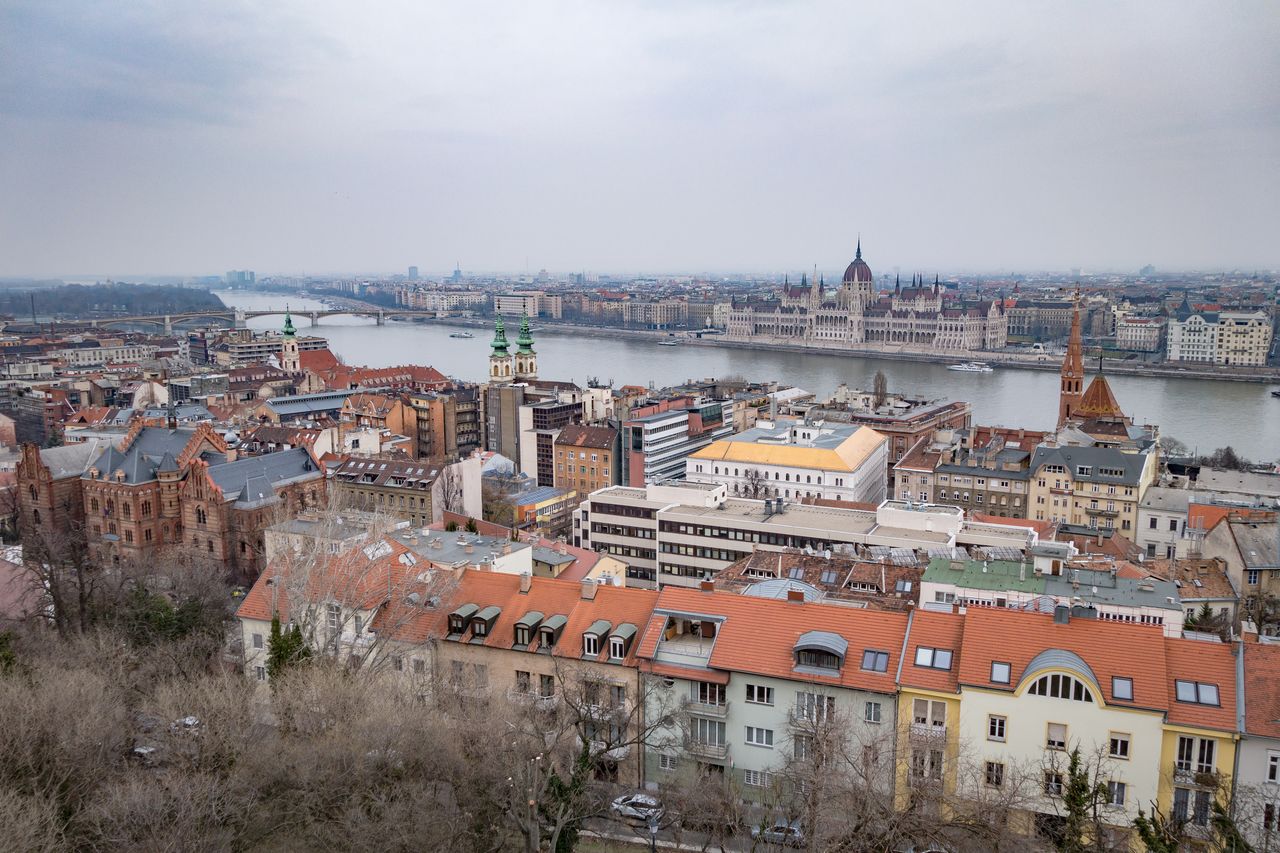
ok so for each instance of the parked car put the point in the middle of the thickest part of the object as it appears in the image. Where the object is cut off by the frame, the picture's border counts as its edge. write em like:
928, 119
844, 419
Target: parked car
638, 807
781, 832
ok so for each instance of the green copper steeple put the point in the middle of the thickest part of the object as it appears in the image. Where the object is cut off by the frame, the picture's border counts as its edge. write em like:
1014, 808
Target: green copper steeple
288, 324
499, 337
525, 341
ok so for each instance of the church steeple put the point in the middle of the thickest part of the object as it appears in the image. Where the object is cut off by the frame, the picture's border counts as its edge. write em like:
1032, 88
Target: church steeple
290, 352
499, 360
857, 255
526, 360
289, 331
1072, 381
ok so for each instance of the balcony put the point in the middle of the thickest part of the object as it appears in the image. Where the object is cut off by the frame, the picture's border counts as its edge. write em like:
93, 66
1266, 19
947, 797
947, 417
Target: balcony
527, 697
1195, 776
928, 732
618, 753
1097, 510
707, 709
705, 749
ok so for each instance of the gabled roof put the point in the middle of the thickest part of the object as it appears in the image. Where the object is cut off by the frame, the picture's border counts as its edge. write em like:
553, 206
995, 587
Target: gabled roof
1206, 662
253, 480
1261, 699
934, 630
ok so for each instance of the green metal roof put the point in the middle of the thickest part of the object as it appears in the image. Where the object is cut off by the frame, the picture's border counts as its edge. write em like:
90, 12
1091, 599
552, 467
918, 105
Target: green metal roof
993, 575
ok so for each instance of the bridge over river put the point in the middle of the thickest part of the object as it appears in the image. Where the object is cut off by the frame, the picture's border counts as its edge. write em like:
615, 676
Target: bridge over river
238, 318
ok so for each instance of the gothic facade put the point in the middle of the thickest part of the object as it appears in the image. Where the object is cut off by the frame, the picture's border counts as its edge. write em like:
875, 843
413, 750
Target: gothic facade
857, 315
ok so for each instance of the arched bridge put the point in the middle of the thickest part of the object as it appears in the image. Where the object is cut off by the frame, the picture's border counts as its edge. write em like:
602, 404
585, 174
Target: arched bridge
237, 318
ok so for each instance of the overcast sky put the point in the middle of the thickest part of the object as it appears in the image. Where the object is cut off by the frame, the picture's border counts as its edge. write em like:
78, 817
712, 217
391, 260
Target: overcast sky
288, 137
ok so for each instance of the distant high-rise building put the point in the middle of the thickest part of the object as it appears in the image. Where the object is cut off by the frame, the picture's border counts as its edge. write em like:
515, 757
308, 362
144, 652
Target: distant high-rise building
413, 273
457, 274
237, 277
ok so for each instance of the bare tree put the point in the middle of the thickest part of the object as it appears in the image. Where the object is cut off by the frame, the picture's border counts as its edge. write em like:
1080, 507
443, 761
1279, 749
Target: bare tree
755, 483
880, 389
450, 490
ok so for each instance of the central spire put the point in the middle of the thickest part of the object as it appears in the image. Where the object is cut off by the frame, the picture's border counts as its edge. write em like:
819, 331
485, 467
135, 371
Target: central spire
288, 323
858, 254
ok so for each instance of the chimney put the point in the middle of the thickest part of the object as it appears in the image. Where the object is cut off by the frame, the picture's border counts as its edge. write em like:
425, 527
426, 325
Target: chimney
707, 586
526, 581
1062, 614
470, 547
589, 589
795, 595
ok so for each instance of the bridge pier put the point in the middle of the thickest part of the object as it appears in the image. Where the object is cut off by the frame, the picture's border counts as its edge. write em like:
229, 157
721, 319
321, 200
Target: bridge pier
315, 319
168, 326
382, 317
239, 320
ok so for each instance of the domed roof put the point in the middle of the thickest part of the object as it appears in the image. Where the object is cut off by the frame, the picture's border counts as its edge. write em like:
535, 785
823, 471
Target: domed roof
858, 271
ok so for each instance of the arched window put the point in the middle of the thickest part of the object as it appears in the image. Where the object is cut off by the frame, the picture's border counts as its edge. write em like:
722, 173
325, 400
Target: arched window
146, 509
127, 510
32, 491
201, 518
1059, 686
111, 506
35, 516
210, 546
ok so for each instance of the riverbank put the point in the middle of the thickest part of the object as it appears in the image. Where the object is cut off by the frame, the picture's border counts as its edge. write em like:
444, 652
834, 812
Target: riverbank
1007, 360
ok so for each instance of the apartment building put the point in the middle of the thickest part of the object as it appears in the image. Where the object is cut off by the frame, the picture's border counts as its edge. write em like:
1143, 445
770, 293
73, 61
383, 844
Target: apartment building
680, 533
1250, 546
983, 470
540, 424
587, 458
1093, 487
1244, 338
94, 356
657, 437
755, 688
1162, 523
1140, 334
418, 492
796, 460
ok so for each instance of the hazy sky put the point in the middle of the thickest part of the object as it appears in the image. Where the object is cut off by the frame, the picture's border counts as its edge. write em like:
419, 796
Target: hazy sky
195, 137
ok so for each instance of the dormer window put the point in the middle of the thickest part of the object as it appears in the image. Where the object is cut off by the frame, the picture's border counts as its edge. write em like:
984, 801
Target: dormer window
549, 633
593, 638
526, 629
820, 650
620, 641
482, 623
459, 619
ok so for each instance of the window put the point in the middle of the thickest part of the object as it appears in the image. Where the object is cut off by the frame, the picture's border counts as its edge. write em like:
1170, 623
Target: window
1119, 745
1056, 736
818, 659
995, 727
814, 707
875, 661
1060, 686
590, 645
933, 658
617, 648
1273, 766
1195, 754
257, 641
397, 663
931, 715
1053, 783
334, 617
995, 774
1115, 793
523, 681
1000, 672
1154, 523
759, 737
872, 712
926, 763
757, 778
1196, 692
802, 746
1121, 688
758, 694
1252, 576
705, 693
546, 686
260, 673
419, 666
1268, 817
667, 762
707, 732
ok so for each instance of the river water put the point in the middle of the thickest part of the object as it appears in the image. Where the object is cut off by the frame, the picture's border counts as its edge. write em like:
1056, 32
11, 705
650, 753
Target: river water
1202, 413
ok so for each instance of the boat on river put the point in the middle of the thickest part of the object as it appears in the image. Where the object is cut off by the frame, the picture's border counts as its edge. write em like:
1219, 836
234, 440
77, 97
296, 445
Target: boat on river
971, 367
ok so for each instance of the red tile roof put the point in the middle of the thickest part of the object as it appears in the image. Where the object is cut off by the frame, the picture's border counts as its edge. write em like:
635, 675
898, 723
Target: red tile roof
1109, 648
1212, 663
934, 630
1262, 689
317, 360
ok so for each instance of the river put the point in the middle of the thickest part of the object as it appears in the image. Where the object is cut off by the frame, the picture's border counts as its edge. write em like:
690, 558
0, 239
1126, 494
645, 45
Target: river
1203, 414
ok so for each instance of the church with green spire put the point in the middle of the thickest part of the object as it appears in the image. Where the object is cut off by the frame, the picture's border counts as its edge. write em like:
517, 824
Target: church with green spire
290, 352
506, 367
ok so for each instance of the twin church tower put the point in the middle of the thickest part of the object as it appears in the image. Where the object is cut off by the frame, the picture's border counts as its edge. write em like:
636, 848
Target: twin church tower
506, 367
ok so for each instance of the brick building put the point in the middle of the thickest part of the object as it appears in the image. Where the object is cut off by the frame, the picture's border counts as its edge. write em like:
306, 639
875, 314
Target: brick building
587, 458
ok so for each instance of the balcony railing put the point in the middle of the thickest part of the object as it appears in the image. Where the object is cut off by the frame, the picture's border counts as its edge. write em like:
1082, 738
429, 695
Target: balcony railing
707, 709
928, 732
706, 749
1097, 510
617, 753
1200, 777
530, 697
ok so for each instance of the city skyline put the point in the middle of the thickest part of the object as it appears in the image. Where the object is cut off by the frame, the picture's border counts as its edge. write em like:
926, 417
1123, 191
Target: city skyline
701, 137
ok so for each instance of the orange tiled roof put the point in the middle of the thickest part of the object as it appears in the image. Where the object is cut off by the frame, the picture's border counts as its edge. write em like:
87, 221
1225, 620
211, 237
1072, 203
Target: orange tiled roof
1261, 689
758, 635
1043, 529
1109, 648
937, 631
1196, 660
317, 360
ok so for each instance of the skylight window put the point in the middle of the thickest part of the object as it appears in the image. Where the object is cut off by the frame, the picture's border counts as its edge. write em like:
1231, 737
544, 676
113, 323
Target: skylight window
875, 661
1196, 692
1121, 688
933, 658
1000, 672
